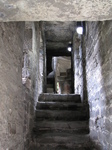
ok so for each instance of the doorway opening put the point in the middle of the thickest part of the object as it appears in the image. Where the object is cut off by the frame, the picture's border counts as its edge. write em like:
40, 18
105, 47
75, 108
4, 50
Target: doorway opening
59, 37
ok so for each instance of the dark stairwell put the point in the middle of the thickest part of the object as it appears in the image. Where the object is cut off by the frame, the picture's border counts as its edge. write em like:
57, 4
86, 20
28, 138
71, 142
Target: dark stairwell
90, 80
61, 120
61, 123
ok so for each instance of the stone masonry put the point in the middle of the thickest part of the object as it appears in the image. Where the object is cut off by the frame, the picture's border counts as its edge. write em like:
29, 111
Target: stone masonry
12, 108
17, 103
99, 81
97, 57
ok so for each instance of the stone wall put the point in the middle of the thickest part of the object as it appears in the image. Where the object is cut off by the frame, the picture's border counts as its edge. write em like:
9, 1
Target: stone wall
98, 49
43, 50
27, 52
42, 60
12, 108
79, 67
34, 58
20, 58
28, 78
32, 75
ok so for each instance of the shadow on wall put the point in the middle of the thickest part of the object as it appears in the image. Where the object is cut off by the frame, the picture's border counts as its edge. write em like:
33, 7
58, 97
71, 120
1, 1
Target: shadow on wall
85, 92
80, 83
95, 146
99, 82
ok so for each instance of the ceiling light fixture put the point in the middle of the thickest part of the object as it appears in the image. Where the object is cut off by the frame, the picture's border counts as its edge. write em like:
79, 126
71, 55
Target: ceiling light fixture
69, 47
79, 28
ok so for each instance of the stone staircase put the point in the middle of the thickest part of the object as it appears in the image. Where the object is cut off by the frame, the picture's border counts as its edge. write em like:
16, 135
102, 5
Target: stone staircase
61, 123
50, 88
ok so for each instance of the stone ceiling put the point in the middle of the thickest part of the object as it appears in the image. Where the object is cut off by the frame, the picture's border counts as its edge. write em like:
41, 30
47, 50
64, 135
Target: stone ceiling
55, 10
58, 35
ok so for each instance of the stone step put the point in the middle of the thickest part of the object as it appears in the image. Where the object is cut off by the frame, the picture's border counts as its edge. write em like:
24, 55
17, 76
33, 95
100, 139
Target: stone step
64, 79
79, 127
63, 74
60, 98
62, 106
61, 115
50, 90
62, 138
56, 146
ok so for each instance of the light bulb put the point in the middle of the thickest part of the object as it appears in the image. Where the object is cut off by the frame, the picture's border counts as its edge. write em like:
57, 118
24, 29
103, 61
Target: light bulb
79, 30
69, 49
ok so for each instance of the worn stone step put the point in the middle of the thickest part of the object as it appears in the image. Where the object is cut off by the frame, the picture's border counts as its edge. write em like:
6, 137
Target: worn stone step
63, 74
43, 131
79, 127
62, 138
56, 146
60, 98
61, 115
62, 106
50, 90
